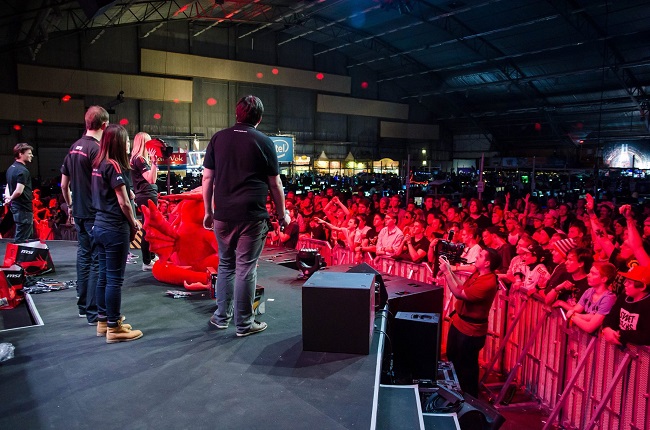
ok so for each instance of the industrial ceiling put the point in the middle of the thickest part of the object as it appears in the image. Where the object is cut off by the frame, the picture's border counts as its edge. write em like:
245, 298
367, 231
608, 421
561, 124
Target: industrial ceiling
537, 71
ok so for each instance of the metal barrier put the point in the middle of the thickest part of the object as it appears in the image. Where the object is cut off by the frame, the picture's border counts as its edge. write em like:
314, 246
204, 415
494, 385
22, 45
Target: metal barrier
420, 272
583, 381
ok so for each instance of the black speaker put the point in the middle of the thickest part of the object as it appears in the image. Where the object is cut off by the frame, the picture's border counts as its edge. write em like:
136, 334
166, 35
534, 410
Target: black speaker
381, 296
407, 295
476, 414
94, 8
338, 312
416, 345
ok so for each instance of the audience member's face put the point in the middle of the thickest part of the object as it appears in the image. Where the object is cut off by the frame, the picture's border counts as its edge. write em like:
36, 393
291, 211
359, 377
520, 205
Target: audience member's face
572, 265
574, 233
389, 221
593, 277
646, 227
558, 257
549, 220
487, 238
377, 222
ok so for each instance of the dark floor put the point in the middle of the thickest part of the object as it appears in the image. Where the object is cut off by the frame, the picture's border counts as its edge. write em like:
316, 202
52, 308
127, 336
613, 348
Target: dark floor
183, 373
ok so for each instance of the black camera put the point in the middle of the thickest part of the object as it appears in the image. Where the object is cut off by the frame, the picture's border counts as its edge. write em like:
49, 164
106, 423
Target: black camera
451, 250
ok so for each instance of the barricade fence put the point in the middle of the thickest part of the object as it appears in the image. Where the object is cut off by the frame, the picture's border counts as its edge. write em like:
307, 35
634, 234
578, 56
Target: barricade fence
582, 381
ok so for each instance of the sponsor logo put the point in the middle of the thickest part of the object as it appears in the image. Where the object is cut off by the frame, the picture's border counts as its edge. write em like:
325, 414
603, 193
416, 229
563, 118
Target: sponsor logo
26, 251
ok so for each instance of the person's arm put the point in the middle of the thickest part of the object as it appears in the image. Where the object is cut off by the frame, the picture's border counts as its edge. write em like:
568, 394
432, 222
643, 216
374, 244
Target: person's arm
598, 231
152, 174
207, 184
588, 322
67, 195
577, 309
633, 236
127, 209
17, 192
277, 194
453, 282
416, 254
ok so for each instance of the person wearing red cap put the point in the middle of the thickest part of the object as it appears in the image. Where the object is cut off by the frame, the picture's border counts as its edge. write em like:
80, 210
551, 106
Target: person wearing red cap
629, 319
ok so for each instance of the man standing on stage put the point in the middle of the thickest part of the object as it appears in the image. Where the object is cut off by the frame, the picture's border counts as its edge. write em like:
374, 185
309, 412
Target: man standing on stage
240, 166
76, 177
18, 192
469, 320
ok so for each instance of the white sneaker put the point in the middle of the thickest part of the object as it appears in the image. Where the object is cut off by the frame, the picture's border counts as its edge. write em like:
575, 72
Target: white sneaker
154, 259
146, 267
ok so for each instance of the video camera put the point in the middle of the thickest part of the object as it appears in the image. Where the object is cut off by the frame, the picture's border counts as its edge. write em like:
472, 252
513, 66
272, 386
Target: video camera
451, 250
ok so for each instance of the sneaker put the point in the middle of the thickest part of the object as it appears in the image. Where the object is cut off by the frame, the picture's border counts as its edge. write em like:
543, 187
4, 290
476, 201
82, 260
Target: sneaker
122, 334
220, 326
102, 326
82, 315
133, 256
92, 322
154, 258
146, 267
256, 327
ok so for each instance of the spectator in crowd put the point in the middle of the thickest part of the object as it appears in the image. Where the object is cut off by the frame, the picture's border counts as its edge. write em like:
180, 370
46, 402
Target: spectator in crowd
289, 237
597, 301
390, 237
534, 272
629, 319
470, 237
492, 239
415, 244
476, 214
565, 288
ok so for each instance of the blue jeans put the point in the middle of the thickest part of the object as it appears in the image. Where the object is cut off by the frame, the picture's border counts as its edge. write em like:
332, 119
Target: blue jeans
86, 268
240, 245
113, 248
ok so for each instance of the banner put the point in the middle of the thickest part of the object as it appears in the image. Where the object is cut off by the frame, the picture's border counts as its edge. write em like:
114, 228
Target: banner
284, 148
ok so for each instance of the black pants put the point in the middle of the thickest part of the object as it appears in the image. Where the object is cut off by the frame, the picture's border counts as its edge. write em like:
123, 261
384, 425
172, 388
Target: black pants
144, 245
463, 350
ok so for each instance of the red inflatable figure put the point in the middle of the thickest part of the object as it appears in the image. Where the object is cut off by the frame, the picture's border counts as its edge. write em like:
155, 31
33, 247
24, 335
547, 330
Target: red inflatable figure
184, 247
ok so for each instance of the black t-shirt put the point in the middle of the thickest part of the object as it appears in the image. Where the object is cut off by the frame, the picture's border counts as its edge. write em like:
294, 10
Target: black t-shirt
17, 173
293, 231
78, 166
242, 159
142, 189
106, 178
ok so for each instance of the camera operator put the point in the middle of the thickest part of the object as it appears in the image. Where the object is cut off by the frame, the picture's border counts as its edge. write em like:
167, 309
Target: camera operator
469, 320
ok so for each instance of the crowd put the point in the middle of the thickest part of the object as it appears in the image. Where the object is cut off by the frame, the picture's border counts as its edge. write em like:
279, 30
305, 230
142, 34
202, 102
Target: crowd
589, 259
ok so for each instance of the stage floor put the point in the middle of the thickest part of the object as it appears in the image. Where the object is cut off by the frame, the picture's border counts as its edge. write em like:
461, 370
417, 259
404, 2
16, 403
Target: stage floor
183, 373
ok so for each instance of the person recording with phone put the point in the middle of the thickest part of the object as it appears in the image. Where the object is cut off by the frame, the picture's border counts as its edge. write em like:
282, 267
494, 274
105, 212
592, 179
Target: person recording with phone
469, 319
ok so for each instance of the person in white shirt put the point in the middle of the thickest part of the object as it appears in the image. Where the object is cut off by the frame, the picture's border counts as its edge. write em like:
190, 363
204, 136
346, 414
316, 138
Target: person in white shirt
390, 237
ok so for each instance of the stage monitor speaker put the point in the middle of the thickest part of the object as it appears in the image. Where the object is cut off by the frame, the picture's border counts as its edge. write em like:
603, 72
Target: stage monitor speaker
480, 415
94, 8
381, 296
408, 295
416, 345
338, 312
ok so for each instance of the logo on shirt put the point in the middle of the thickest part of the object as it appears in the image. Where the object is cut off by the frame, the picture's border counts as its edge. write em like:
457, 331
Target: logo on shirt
628, 320
119, 178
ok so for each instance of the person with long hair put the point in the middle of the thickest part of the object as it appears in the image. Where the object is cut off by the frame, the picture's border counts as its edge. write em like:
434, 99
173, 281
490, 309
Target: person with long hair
143, 173
115, 227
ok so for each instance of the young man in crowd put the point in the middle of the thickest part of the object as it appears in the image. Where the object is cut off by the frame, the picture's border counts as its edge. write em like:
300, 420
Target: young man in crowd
597, 301
629, 319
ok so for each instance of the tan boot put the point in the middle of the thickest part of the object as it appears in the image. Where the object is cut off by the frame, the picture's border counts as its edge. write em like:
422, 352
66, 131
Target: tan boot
102, 327
121, 334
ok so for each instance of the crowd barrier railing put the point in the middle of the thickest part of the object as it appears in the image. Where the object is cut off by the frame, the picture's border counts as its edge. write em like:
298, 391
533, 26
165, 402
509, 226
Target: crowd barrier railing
583, 381
420, 272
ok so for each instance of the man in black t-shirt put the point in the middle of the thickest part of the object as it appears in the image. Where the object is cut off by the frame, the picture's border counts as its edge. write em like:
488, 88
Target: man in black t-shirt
240, 167
18, 192
76, 173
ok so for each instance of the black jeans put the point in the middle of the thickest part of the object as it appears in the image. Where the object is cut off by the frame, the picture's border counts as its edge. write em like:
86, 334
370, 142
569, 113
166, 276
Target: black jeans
463, 350
87, 268
24, 224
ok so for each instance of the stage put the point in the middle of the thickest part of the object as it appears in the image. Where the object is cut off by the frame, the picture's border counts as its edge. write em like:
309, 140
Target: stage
183, 373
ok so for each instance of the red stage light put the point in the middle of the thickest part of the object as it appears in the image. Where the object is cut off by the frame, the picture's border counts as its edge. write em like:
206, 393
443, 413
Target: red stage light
17, 127
124, 122
320, 76
211, 101
538, 126
364, 85
176, 101
260, 75
66, 98
275, 71
157, 116
40, 121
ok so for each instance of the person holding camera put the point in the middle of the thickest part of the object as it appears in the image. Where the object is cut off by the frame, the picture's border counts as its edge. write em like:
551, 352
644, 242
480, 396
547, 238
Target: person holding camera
469, 320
